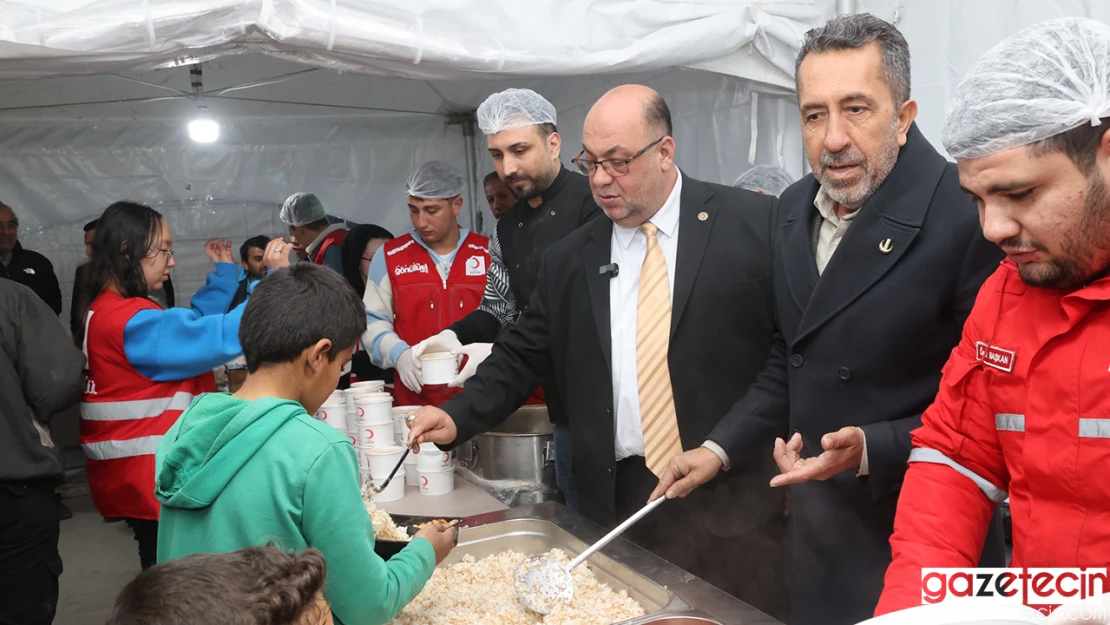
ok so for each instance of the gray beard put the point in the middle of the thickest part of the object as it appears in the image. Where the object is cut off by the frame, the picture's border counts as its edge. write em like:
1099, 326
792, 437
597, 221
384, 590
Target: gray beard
853, 196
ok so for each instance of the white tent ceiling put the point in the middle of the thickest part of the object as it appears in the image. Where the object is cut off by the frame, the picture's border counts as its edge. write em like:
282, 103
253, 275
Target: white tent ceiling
94, 101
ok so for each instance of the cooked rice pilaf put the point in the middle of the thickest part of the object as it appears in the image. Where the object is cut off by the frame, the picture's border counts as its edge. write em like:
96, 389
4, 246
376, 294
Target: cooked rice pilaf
480, 592
385, 528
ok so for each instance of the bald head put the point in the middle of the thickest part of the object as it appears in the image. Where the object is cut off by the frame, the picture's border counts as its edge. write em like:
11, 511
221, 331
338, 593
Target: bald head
619, 105
628, 131
9, 229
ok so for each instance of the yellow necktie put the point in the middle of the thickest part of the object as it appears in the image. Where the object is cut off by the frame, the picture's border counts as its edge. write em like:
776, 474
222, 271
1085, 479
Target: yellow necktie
653, 330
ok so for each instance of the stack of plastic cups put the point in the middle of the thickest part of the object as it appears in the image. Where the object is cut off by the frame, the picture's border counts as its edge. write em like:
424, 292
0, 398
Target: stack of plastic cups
402, 429
356, 389
334, 412
373, 426
380, 461
436, 470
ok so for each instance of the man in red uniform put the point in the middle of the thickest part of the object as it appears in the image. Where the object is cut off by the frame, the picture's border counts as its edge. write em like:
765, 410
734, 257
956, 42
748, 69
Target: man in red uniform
1022, 404
424, 281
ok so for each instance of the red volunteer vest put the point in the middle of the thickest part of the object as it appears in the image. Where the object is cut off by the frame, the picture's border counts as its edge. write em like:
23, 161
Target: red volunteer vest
334, 237
423, 304
124, 414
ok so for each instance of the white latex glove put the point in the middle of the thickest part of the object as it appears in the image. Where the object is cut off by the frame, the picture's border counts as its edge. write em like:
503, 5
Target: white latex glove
408, 368
475, 353
445, 341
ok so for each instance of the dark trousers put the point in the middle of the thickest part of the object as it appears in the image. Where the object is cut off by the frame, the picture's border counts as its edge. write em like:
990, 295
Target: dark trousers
146, 534
29, 561
693, 534
564, 466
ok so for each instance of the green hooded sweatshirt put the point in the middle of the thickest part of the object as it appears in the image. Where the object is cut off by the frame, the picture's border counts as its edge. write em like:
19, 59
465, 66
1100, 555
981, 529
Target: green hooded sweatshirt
232, 474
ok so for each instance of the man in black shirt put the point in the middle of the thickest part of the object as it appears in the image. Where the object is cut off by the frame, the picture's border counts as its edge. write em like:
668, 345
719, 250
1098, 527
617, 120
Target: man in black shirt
552, 202
28, 268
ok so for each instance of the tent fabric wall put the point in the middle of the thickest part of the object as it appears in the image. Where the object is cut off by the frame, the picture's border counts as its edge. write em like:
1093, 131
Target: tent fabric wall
59, 174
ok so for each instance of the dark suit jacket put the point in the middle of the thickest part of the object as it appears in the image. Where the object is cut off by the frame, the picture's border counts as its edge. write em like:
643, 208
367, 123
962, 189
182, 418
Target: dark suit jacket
861, 345
721, 330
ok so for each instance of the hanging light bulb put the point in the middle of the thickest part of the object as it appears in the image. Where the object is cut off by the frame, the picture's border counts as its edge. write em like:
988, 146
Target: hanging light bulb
204, 130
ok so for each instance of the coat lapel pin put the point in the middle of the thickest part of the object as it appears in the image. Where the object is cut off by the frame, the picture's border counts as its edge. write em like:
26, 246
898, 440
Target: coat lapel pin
702, 216
886, 246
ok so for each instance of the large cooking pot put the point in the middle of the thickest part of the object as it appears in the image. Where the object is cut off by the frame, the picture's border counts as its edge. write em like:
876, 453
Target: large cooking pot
515, 462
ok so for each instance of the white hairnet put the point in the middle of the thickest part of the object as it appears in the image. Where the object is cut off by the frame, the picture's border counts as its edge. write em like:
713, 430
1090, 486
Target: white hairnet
435, 180
512, 109
1038, 82
764, 178
301, 209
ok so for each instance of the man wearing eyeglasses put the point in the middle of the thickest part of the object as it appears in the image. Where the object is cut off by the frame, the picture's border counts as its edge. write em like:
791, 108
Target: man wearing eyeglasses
652, 324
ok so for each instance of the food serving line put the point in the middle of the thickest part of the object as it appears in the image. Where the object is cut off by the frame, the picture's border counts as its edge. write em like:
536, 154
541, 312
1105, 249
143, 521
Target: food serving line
667, 594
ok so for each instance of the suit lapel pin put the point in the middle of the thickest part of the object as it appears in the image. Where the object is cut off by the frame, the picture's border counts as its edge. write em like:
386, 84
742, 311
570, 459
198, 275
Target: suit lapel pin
702, 216
886, 246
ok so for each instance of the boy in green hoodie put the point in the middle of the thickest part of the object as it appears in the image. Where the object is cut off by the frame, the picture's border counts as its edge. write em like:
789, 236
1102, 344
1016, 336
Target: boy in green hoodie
255, 468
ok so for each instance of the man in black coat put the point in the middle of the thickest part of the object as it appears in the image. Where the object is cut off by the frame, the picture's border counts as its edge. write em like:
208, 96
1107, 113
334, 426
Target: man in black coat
868, 315
525, 145
28, 268
609, 353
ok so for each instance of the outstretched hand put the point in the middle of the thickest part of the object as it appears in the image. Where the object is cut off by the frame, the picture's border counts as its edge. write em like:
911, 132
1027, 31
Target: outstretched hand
843, 452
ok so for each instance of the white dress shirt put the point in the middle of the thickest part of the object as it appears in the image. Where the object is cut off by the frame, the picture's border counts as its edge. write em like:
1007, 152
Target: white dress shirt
629, 247
832, 232
833, 228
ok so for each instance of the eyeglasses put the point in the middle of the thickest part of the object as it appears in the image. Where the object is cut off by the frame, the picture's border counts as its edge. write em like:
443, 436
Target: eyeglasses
613, 166
167, 253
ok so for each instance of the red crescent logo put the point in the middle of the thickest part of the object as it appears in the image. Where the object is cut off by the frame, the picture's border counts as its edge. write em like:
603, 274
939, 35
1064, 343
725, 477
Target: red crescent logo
371, 433
423, 480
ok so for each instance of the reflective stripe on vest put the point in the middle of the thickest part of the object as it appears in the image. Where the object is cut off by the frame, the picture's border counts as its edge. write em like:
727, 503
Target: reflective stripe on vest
135, 409
1094, 428
114, 450
922, 454
1005, 422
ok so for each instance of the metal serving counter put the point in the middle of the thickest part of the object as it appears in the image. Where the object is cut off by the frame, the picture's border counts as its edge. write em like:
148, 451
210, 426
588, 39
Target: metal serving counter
664, 590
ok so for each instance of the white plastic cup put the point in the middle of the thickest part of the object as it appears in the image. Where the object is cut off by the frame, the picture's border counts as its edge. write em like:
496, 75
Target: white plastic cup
383, 459
432, 459
333, 412
373, 408
399, 415
393, 492
373, 435
438, 368
369, 386
437, 482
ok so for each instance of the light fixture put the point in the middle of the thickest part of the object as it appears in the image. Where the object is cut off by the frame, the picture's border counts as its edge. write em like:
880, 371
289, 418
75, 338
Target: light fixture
204, 130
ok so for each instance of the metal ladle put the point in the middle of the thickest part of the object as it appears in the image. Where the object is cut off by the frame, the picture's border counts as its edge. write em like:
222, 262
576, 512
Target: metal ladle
409, 420
541, 581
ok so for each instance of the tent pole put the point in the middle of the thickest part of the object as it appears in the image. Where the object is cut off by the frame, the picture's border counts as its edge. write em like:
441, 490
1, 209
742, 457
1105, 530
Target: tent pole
473, 182
845, 7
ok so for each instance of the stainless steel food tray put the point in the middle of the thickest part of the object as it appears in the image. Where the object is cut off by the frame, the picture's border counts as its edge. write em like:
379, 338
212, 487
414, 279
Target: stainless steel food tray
663, 589
533, 535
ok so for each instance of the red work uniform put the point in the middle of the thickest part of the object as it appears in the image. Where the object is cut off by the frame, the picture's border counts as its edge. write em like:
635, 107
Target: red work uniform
424, 303
1024, 411
334, 237
124, 413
